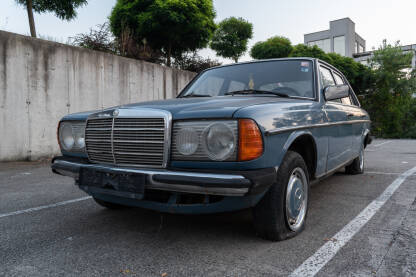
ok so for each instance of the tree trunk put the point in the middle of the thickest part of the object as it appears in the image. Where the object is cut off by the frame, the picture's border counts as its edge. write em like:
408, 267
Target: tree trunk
31, 20
236, 59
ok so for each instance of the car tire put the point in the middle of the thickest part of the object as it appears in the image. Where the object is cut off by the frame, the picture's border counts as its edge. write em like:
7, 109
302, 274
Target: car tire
357, 165
109, 205
282, 212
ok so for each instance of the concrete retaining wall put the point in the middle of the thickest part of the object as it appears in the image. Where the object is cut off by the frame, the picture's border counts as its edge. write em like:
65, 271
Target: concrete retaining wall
41, 81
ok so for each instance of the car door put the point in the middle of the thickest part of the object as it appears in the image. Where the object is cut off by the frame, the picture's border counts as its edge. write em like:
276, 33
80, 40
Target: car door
355, 115
340, 133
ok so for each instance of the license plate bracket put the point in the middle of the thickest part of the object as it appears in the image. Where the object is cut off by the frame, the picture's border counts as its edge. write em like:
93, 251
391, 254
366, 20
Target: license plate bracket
123, 182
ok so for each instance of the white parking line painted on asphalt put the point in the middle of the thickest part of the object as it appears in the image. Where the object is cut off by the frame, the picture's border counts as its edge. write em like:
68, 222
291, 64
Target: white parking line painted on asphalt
45, 207
382, 173
312, 265
380, 144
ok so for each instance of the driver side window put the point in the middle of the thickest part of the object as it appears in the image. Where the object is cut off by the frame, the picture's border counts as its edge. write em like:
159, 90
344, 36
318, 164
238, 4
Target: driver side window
327, 80
340, 81
326, 77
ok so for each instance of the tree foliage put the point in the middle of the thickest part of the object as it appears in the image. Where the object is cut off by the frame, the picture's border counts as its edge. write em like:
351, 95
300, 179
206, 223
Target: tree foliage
194, 62
99, 39
63, 9
171, 26
390, 102
231, 38
302, 50
274, 47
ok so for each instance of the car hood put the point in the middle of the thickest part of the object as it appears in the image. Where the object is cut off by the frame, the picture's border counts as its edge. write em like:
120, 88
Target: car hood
209, 107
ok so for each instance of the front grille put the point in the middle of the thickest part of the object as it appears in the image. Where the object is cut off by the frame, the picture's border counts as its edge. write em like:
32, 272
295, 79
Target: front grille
126, 141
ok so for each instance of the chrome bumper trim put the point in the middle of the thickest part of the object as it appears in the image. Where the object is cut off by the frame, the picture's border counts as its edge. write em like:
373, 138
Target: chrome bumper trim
71, 169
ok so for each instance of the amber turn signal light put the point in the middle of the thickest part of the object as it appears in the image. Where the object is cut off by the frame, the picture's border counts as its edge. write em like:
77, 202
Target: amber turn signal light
250, 143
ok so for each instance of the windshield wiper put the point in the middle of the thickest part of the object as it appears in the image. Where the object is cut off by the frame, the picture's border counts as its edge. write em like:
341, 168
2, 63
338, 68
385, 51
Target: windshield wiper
195, 95
255, 91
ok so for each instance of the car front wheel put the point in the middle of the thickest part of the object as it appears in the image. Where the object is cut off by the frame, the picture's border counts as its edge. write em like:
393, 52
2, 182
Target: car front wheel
282, 212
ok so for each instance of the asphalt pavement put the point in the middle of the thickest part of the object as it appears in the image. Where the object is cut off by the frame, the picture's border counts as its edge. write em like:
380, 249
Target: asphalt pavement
48, 227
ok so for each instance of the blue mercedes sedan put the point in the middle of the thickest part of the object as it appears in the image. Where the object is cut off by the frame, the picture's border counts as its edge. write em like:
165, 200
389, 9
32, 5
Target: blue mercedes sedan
247, 135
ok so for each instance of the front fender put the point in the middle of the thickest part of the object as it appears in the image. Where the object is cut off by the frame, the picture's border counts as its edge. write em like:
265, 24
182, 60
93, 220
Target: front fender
320, 147
293, 136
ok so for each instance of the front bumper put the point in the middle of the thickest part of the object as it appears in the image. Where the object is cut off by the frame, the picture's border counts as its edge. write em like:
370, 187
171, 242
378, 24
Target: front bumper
223, 183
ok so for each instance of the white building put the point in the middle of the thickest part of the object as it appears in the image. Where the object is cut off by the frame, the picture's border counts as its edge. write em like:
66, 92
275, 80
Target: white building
340, 38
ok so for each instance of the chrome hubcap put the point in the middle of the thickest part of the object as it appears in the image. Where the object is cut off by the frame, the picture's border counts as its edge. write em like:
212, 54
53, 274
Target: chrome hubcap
296, 199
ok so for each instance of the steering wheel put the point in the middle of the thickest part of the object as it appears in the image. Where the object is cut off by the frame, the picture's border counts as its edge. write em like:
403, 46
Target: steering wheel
287, 90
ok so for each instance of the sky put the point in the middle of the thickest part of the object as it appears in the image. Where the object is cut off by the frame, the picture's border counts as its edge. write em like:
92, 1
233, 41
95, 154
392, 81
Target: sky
375, 20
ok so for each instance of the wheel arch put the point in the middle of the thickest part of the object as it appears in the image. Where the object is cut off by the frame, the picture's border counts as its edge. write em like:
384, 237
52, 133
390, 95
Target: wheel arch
304, 144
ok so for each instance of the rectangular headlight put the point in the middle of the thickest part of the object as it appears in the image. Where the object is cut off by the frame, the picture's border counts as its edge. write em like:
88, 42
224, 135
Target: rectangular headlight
71, 136
205, 140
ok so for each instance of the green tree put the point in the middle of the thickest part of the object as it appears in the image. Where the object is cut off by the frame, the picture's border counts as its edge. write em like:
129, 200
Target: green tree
275, 47
302, 50
391, 103
194, 62
231, 38
359, 75
171, 26
63, 9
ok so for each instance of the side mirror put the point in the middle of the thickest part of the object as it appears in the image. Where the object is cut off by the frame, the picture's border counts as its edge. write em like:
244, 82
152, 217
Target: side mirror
336, 92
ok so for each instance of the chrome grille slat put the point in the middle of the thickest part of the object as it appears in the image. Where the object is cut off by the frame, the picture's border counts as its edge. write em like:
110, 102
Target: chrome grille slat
127, 141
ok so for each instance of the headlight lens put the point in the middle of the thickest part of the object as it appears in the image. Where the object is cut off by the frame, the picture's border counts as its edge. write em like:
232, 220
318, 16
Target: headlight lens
79, 133
187, 141
219, 141
71, 136
205, 140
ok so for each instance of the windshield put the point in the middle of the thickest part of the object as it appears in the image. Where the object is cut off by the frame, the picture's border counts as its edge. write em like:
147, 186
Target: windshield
293, 78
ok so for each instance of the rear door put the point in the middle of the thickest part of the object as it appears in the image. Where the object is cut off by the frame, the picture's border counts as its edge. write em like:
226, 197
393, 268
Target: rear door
340, 132
355, 115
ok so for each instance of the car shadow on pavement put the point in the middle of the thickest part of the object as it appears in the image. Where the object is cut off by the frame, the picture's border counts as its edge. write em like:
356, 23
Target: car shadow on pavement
226, 225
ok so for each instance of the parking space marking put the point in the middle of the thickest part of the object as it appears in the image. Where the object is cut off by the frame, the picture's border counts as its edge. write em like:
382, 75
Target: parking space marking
45, 207
312, 265
381, 173
380, 144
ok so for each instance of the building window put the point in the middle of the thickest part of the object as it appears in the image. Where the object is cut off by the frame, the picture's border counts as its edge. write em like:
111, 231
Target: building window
361, 48
324, 44
339, 45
